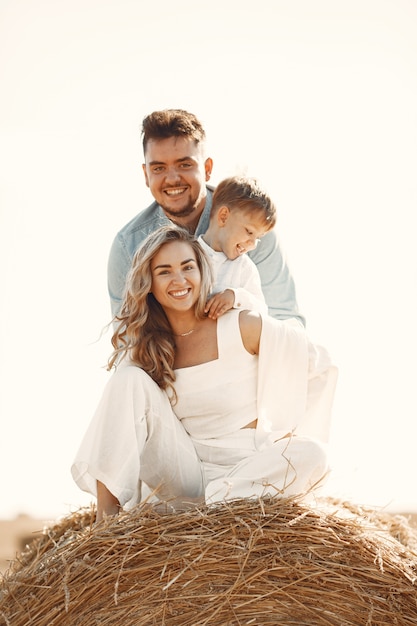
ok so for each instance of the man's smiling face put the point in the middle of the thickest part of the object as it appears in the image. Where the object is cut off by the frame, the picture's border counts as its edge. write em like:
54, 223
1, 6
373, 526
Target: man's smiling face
176, 172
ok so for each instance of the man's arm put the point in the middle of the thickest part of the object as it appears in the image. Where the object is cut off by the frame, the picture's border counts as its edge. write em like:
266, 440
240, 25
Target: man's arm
124, 246
117, 268
277, 283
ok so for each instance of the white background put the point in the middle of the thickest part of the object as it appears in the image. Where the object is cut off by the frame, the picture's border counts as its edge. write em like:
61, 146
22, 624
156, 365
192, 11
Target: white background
318, 99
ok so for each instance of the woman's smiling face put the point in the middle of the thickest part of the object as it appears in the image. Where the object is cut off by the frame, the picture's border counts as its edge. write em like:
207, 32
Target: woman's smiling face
176, 277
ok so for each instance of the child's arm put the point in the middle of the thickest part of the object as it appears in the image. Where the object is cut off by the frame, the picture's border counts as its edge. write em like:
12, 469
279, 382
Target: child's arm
246, 292
249, 299
239, 298
219, 303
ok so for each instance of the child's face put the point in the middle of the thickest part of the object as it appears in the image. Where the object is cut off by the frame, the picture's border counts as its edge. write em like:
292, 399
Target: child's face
239, 231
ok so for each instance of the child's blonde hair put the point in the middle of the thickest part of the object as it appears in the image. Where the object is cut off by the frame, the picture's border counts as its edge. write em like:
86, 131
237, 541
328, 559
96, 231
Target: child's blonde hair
244, 194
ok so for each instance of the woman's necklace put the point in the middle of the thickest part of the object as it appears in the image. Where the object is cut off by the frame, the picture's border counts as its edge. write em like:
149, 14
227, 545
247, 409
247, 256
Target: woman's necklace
185, 334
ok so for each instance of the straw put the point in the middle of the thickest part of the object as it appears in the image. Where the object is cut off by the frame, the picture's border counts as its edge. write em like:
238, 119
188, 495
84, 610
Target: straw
263, 562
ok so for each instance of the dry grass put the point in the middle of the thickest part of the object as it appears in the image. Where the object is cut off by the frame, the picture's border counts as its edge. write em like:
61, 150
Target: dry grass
267, 562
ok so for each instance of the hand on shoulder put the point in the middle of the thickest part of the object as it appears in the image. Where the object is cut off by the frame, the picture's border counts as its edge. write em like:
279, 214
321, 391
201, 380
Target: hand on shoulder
250, 323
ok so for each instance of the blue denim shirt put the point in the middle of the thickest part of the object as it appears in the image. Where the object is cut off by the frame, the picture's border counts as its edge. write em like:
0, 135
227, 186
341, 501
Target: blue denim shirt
277, 283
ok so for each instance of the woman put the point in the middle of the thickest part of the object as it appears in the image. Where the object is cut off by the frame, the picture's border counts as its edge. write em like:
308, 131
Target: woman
201, 408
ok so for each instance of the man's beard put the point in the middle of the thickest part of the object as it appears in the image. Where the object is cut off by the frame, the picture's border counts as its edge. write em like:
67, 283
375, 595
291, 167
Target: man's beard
184, 212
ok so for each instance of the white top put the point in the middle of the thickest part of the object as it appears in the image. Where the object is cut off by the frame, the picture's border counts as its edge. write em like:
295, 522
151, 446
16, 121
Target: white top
219, 397
288, 388
240, 275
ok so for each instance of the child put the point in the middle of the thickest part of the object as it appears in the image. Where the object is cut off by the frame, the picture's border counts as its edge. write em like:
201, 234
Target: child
241, 214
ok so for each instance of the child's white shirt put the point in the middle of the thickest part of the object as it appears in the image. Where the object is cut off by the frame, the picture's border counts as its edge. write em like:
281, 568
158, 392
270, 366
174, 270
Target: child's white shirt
240, 275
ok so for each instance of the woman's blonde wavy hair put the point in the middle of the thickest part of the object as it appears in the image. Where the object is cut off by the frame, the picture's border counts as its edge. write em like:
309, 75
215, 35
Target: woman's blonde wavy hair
143, 331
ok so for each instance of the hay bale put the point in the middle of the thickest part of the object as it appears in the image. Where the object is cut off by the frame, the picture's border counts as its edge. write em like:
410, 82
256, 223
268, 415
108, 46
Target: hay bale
266, 562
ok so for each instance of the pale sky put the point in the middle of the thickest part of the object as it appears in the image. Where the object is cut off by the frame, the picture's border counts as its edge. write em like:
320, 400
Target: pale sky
316, 99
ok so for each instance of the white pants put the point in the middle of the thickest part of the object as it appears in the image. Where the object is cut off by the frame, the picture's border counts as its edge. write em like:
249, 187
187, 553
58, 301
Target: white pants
289, 466
135, 436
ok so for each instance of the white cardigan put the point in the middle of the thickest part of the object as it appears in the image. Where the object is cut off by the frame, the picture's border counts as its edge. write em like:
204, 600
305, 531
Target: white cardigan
296, 382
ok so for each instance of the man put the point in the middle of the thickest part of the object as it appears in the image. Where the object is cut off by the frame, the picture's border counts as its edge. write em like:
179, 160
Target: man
177, 170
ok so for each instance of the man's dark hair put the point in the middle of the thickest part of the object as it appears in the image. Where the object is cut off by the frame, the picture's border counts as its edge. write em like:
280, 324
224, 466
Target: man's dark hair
171, 123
